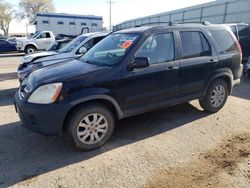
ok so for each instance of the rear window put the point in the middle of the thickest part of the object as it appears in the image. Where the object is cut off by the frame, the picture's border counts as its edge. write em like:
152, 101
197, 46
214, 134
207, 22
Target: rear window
224, 40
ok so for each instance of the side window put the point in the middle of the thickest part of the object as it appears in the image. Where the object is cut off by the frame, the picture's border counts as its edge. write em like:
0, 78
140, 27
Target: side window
158, 48
47, 35
194, 44
224, 39
88, 44
97, 39
42, 36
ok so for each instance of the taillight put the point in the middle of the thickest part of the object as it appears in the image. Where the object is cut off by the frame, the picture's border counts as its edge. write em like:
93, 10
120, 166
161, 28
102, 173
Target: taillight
240, 49
238, 45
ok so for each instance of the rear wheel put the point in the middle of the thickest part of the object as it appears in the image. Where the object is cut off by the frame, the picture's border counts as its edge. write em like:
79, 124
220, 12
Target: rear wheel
30, 49
90, 126
215, 97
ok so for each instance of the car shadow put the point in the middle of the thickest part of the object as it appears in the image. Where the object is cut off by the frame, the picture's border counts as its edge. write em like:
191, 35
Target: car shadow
8, 76
24, 154
243, 89
7, 96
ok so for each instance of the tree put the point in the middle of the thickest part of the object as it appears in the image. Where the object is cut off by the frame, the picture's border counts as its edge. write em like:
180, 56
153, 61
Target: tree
6, 15
29, 8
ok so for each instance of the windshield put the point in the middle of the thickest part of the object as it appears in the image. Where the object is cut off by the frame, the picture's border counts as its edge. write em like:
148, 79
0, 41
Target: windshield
110, 50
72, 45
36, 34
57, 46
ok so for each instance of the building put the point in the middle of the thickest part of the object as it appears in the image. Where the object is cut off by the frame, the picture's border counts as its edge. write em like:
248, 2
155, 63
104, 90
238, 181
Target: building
68, 24
220, 11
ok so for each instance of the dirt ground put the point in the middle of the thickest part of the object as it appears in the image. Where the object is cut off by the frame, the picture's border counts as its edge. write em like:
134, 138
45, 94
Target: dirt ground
181, 146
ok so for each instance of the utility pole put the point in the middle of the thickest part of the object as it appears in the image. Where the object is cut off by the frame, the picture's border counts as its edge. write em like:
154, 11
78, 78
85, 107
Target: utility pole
110, 2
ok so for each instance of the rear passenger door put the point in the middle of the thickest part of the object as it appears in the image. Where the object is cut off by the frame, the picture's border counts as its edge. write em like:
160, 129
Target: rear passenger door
196, 64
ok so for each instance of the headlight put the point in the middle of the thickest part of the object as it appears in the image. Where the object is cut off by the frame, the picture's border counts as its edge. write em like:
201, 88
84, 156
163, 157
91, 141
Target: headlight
46, 94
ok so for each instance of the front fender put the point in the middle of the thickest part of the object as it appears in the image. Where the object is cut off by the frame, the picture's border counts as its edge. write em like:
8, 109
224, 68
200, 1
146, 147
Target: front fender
92, 94
29, 43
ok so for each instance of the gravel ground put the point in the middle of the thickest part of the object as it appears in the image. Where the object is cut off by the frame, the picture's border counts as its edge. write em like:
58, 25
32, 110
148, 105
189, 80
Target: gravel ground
181, 146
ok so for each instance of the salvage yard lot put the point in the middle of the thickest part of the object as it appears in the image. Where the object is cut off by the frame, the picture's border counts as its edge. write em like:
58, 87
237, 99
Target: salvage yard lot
180, 146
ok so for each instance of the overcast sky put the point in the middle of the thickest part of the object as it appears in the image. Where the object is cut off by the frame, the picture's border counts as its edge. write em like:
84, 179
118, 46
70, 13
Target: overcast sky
122, 10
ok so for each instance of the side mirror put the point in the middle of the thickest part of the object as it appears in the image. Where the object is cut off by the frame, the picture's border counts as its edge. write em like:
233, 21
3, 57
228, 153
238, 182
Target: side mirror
82, 50
139, 62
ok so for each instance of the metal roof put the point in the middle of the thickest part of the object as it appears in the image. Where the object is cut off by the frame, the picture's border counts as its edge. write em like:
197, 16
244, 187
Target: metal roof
65, 15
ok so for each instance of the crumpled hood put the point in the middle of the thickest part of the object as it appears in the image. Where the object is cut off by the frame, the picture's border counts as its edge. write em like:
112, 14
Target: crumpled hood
30, 58
61, 72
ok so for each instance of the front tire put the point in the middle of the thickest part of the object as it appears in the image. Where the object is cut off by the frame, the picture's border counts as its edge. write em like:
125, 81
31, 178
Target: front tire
215, 97
30, 49
90, 126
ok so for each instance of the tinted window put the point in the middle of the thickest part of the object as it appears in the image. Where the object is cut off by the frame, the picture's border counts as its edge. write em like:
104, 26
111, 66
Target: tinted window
83, 24
47, 35
72, 23
45, 22
194, 44
158, 48
60, 23
94, 24
224, 40
243, 30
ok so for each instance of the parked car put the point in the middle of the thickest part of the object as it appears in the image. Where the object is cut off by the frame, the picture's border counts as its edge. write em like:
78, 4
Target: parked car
76, 48
58, 44
13, 39
7, 46
39, 41
242, 33
130, 72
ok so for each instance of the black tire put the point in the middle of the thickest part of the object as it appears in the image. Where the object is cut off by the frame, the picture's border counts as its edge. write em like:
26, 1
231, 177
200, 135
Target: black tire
207, 104
78, 116
29, 49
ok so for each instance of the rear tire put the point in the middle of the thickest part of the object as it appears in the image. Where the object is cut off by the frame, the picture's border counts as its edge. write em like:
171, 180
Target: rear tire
90, 126
30, 49
215, 97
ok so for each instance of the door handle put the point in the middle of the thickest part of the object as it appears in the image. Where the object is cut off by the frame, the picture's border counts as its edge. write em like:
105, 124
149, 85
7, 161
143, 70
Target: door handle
172, 68
213, 61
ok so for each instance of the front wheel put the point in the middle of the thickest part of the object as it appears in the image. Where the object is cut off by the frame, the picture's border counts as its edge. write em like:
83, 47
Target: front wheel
30, 49
215, 97
90, 126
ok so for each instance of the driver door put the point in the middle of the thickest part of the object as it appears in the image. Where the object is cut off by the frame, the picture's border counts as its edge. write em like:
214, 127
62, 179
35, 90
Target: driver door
43, 41
156, 85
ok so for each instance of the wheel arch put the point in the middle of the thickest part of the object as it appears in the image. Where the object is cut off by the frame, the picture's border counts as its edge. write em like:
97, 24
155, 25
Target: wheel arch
105, 100
227, 76
30, 44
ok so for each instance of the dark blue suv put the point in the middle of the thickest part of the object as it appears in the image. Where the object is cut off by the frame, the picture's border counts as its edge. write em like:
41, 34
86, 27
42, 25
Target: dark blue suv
131, 72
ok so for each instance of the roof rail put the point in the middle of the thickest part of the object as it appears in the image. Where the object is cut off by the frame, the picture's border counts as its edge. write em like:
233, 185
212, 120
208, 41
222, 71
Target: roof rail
203, 22
169, 23
172, 23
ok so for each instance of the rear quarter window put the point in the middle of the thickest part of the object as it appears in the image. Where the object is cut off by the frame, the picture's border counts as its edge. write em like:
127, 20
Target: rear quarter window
225, 40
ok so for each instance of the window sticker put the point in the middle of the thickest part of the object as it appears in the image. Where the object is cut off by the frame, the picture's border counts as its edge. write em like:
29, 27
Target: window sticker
126, 44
